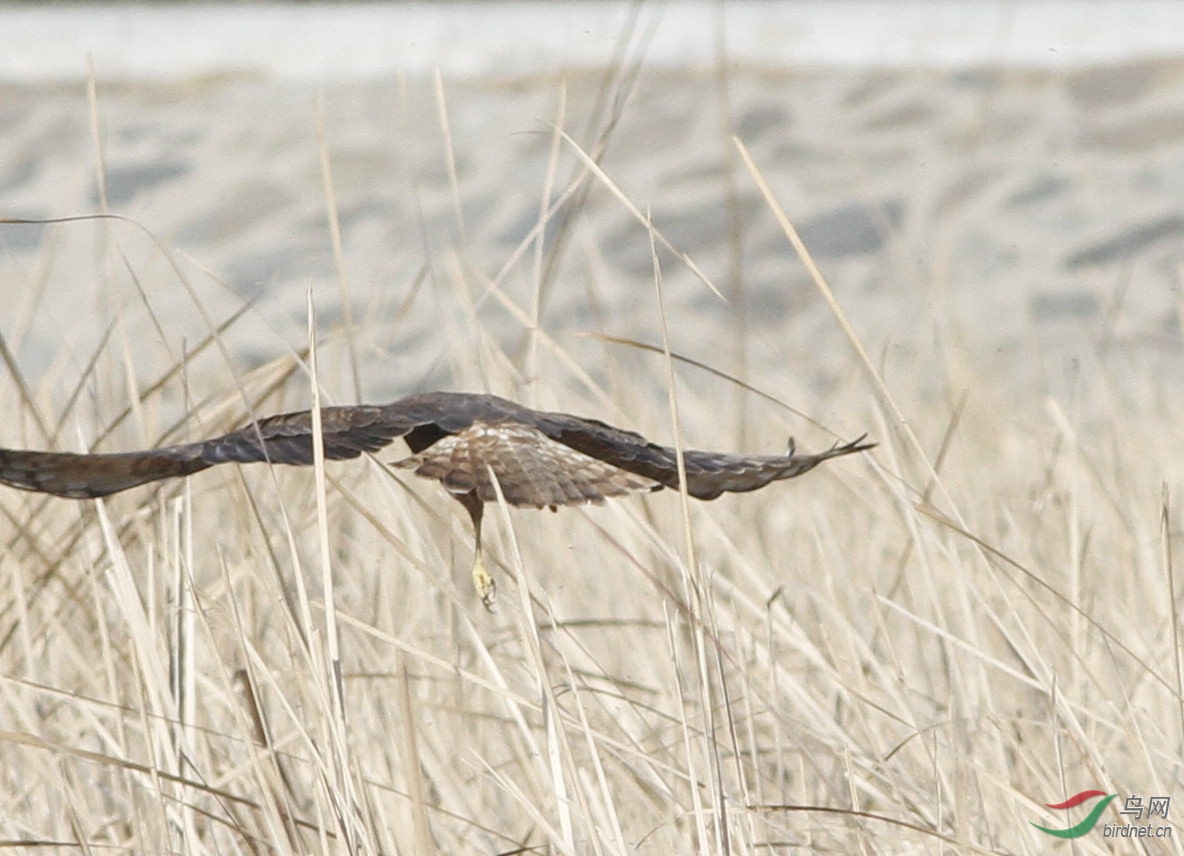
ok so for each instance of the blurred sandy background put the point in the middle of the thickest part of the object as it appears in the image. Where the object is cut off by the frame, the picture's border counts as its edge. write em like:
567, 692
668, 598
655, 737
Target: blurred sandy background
1007, 218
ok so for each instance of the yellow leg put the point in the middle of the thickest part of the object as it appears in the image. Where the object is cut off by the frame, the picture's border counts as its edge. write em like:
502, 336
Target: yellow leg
483, 582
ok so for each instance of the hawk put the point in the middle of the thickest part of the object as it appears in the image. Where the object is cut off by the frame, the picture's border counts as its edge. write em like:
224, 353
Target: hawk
472, 444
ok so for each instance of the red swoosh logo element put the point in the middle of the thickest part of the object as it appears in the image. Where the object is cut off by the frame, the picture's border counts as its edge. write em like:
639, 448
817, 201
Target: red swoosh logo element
1077, 799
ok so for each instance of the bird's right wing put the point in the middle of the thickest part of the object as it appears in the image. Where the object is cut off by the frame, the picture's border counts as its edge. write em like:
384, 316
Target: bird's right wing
708, 473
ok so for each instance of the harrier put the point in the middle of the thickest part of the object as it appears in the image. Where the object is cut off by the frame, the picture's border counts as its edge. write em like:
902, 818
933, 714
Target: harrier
472, 444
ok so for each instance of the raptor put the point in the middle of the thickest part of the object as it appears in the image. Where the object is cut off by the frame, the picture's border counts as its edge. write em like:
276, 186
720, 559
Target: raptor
473, 444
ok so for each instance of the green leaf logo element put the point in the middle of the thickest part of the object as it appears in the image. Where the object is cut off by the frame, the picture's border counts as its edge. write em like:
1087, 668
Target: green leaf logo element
1081, 828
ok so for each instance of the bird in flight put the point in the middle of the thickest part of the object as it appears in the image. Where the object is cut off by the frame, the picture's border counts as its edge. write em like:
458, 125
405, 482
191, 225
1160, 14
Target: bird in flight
472, 444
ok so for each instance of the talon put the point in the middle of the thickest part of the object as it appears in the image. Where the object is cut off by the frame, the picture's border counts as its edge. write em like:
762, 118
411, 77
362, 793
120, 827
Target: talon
484, 584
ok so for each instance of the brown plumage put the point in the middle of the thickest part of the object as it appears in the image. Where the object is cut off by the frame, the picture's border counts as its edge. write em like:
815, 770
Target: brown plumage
465, 441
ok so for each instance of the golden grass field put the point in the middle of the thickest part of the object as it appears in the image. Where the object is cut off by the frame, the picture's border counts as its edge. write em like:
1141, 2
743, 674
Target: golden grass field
907, 651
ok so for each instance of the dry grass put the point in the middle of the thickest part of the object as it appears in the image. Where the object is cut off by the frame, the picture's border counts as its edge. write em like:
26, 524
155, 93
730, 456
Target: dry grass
903, 653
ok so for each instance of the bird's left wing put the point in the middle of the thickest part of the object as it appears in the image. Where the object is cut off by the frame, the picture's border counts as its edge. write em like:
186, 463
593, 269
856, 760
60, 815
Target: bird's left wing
286, 439
346, 432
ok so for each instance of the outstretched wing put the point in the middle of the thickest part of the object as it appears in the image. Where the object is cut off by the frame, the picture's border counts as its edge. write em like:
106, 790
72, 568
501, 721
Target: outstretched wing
82, 476
284, 439
540, 459
708, 473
